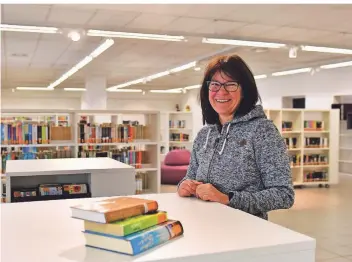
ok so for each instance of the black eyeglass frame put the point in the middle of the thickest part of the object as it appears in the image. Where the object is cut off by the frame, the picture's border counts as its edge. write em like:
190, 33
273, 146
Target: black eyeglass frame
223, 85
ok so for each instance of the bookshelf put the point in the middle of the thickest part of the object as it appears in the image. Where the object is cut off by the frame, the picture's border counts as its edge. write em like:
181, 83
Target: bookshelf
345, 159
131, 137
312, 139
176, 131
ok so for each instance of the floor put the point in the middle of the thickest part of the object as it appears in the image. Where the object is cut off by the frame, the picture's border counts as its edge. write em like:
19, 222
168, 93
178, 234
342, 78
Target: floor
322, 213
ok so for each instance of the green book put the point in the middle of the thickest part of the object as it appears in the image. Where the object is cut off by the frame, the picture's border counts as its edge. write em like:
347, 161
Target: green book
127, 226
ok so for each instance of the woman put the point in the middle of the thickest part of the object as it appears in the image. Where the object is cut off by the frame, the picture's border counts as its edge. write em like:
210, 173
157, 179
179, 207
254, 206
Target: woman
239, 158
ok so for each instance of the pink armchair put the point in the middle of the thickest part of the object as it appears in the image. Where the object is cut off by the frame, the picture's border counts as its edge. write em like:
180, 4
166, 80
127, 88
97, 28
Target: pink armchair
174, 167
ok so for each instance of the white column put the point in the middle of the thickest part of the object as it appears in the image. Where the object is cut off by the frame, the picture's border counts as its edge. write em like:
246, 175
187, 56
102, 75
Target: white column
95, 96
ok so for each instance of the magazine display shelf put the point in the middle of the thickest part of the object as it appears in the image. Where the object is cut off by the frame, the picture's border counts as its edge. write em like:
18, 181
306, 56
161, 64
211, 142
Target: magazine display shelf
104, 177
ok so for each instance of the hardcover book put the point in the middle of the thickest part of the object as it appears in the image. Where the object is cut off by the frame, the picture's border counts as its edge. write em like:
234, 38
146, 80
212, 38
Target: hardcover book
127, 226
138, 242
114, 209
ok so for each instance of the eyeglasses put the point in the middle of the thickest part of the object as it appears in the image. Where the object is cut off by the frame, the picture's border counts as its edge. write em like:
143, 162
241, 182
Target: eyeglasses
215, 86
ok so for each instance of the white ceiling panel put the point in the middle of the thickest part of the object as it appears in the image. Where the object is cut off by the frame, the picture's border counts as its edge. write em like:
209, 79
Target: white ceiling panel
28, 15
111, 19
252, 31
212, 11
186, 24
151, 21
220, 27
67, 16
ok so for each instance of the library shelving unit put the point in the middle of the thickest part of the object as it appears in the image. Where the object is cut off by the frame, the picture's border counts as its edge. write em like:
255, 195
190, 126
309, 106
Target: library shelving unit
345, 160
131, 137
176, 131
312, 139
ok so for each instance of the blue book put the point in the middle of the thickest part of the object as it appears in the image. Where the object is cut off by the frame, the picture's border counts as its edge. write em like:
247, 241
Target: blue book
135, 243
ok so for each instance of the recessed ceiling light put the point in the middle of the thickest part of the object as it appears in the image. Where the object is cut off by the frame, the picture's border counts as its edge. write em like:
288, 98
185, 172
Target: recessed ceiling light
291, 72
242, 43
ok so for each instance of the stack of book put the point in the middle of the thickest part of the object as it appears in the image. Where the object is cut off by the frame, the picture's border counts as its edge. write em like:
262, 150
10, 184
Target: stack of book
126, 225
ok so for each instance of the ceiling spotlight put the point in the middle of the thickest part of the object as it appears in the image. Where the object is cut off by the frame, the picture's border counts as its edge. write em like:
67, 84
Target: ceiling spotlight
293, 52
197, 68
74, 35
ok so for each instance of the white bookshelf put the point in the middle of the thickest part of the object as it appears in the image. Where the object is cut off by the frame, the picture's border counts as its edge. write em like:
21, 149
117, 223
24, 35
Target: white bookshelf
150, 143
301, 134
345, 159
172, 124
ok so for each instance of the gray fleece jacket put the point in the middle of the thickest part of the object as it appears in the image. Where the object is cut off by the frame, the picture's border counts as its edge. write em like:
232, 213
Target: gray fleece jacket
248, 159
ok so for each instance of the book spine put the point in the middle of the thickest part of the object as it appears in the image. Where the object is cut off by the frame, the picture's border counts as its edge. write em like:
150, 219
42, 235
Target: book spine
146, 222
156, 236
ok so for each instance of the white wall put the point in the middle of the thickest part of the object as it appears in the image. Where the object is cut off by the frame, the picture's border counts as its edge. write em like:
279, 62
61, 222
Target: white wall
319, 90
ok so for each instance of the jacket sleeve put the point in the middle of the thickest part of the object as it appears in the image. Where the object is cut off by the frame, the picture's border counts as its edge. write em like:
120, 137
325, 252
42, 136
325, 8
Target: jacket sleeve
274, 167
193, 164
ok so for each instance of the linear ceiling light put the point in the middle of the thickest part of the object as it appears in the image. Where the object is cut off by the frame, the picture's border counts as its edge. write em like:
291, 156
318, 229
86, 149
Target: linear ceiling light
337, 65
192, 87
154, 76
171, 91
75, 89
292, 72
127, 90
260, 76
241, 43
326, 50
135, 35
29, 29
34, 88
100, 49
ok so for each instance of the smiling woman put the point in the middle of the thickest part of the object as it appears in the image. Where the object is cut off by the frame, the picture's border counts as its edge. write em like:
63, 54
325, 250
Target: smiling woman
239, 157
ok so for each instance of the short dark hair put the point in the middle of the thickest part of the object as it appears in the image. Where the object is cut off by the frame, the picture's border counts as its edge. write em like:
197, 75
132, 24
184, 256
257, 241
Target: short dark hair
234, 67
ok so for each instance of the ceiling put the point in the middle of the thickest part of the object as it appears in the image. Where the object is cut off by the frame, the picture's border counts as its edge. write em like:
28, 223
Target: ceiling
32, 59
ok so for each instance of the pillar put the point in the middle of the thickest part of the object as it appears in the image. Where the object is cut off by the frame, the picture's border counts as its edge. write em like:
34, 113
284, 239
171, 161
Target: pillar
95, 96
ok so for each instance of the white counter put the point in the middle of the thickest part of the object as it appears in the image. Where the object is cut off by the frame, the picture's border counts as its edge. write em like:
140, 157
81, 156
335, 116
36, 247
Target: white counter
106, 176
44, 231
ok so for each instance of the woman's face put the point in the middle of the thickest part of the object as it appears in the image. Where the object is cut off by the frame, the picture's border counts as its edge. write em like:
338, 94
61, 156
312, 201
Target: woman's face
224, 102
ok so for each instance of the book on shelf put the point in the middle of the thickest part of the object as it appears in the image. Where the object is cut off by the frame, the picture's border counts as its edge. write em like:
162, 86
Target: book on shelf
313, 125
295, 160
177, 123
113, 209
316, 176
316, 142
286, 126
138, 242
130, 155
291, 142
315, 159
126, 225
25, 153
129, 131
31, 133
179, 137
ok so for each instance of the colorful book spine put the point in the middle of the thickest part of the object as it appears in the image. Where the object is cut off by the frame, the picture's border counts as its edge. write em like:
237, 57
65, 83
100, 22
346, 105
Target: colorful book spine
140, 241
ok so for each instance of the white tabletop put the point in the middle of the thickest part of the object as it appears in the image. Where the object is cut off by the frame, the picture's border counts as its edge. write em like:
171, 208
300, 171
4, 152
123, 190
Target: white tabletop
44, 231
32, 167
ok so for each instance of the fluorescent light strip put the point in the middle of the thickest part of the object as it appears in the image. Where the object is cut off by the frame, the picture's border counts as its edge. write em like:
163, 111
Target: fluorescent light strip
337, 65
134, 35
291, 72
260, 76
29, 29
171, 91
326, 50
126, 90
34, 88
192, 87
155, 76
242, 43
75, 89
99, 50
